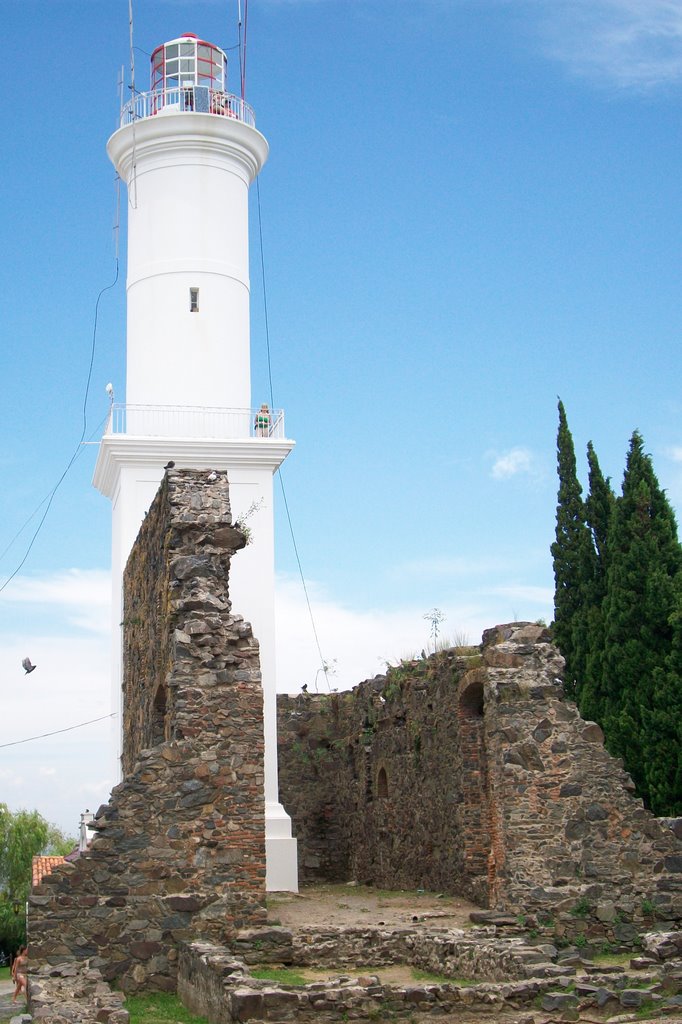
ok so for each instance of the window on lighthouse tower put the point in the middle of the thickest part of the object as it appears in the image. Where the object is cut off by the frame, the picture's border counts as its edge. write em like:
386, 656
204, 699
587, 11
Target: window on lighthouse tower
194, 300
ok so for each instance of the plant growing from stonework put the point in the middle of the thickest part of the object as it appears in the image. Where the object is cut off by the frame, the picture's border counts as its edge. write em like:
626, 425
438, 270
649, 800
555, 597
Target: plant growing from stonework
241, 522
582, 908
435, 616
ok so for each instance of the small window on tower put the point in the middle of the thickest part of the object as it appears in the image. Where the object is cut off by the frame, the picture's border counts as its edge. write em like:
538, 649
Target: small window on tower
194, 300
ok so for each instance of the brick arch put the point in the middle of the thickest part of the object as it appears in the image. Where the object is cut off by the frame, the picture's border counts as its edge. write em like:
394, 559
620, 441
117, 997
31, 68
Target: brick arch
382, 784
471, 701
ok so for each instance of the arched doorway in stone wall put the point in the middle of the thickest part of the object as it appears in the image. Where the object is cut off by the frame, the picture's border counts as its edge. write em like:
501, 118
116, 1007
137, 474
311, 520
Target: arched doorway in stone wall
474, 788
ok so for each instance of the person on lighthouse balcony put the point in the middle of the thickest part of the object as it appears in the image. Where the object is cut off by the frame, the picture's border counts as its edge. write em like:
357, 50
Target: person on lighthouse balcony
262, 421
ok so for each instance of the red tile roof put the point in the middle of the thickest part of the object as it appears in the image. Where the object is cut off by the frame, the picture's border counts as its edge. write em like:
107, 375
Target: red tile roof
43, 866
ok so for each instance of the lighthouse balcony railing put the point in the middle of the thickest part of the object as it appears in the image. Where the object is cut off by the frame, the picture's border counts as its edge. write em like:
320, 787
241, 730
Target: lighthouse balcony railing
195, 421
199, 99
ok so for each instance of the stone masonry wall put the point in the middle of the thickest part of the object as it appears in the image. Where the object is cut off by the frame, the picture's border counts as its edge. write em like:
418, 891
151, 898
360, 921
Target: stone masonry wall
468, 772
180, 848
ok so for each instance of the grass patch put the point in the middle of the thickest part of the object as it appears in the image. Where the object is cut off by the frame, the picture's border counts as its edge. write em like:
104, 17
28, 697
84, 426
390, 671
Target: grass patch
159, 1008
612, 959
440, 979
4, 974
281, 975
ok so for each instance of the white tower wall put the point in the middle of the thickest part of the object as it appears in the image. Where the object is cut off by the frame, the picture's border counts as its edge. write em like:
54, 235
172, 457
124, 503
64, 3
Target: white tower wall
188, 177
188, 375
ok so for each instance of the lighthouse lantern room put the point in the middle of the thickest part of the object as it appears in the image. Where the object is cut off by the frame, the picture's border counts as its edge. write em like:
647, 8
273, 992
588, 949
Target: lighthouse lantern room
187, 152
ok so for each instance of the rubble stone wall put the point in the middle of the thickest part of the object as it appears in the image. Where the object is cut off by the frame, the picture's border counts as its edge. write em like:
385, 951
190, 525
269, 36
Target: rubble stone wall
180, 847
468, 772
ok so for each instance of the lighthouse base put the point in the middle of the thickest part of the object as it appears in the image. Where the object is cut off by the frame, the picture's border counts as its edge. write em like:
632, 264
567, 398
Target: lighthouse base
281, 855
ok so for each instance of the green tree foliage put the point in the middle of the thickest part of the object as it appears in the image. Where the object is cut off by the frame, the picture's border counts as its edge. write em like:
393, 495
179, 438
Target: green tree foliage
619, 615
23, 835
644, 562
662, 724
574, 563
599, 508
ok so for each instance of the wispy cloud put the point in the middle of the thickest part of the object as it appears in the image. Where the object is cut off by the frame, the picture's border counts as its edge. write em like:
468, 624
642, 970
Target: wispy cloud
362, 641
513, 462
527, 594
627, 43
83, 595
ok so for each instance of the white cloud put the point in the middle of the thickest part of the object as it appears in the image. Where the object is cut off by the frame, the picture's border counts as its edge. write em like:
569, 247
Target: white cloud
83, 595
451, 567
363, 641
629, 43
526, 594
511, 463
674, 453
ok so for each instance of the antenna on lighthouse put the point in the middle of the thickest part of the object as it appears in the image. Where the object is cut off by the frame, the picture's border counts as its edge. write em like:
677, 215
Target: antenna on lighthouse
132, 192
243, 57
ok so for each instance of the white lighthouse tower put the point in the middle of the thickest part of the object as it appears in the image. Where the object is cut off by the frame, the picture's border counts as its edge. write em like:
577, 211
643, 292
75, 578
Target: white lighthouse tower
188, 152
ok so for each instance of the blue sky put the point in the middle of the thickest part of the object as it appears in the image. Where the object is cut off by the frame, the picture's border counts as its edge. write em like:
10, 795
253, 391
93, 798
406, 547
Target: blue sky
469, 209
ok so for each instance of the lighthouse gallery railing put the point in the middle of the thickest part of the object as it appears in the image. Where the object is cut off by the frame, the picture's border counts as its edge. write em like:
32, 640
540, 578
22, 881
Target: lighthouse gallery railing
197, 99
194, 421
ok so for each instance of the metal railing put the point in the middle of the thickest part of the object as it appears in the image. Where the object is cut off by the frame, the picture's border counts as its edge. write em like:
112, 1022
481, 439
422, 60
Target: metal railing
194, 421
187, 98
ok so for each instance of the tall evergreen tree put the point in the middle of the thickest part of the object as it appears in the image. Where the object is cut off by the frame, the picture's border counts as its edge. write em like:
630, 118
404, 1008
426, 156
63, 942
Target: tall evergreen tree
662, 725
599, 508
644, 560
573, 560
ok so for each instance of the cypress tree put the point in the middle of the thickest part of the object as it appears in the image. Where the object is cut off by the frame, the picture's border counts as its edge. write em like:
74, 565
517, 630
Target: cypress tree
662, 725
599, 508
573, 560
644, 561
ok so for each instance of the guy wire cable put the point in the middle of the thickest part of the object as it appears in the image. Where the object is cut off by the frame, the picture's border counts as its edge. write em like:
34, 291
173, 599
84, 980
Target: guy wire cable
323, 663
38, 507
78, 447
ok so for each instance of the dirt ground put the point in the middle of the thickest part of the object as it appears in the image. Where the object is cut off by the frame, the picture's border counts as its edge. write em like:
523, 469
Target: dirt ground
340, 905
347, 905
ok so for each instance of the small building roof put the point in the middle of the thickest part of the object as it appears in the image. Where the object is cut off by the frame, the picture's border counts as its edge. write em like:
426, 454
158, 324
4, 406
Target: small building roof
44, 866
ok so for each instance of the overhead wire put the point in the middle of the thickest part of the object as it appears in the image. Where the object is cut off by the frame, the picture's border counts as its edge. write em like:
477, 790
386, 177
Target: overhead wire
323, 663
55, 732
51, 495
94, 433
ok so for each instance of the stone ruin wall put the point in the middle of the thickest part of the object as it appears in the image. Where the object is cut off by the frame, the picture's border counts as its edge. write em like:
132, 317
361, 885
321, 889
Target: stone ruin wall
180, 847
469, 773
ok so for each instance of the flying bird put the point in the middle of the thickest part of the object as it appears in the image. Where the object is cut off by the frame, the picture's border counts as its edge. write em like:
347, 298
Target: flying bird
27, 666
169, 465
212, 475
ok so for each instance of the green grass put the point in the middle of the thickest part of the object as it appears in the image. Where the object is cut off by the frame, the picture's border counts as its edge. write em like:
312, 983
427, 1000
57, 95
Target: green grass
613, 959
282, 975
4, 974
159, 1008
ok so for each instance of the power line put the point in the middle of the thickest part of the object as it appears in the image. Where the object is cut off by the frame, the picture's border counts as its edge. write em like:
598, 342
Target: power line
323, 663
69, 728
77, 450
38, 507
